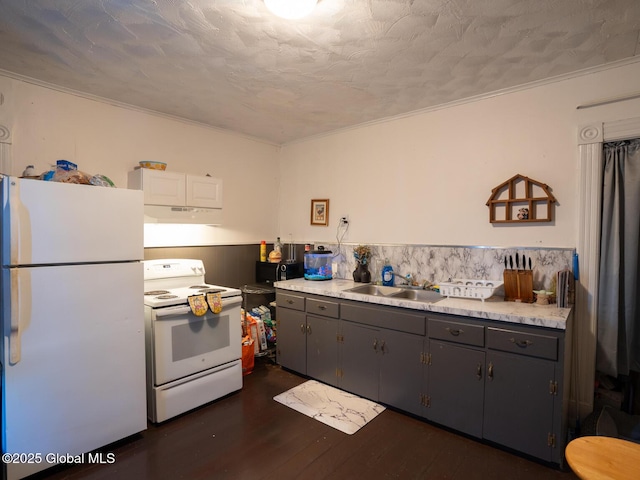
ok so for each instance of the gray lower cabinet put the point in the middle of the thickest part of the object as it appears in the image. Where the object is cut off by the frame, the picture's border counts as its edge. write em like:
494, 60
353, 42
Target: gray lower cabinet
400, 370
523, 393
307, 331
455, 387
322, 348
455, 375
359, 359
291, 331
382, 363
504, 385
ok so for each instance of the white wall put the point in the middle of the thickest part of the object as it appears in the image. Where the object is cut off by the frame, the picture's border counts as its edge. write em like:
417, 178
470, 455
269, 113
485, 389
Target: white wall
425, 179
422, 179
48, 125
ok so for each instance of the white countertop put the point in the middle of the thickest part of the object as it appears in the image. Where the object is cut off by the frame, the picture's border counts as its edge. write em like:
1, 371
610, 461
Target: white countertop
494, 308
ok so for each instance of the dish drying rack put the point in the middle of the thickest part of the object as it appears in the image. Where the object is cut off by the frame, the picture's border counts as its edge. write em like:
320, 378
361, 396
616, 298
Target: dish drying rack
469, 288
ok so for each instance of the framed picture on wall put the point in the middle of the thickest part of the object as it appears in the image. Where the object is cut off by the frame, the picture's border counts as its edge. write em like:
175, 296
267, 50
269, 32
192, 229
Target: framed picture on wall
320, 212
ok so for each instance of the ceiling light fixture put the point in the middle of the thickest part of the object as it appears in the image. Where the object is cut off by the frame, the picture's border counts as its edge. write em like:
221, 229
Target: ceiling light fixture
291, 9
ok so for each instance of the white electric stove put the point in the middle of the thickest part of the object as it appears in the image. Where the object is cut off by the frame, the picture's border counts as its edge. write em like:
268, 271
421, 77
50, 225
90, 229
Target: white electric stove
191, 359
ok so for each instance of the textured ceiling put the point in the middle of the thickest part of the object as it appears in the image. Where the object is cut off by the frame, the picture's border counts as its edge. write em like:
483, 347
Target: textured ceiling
232, 65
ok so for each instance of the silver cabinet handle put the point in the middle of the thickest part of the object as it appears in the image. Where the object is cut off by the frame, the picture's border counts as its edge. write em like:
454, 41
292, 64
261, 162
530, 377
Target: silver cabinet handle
521, 343
490, 371
302, 328
322, 307
454, 331
375, 344
308, 329
382, 347
479, 371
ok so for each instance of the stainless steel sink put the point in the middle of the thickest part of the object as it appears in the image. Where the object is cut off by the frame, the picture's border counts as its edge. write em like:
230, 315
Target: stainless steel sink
426, 296
378, 290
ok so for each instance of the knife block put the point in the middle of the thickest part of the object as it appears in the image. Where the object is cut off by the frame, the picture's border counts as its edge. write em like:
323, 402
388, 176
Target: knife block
518, 286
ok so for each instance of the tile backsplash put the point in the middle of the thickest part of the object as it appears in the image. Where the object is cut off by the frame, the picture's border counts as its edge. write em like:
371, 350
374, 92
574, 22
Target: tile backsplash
440, 263
234, 265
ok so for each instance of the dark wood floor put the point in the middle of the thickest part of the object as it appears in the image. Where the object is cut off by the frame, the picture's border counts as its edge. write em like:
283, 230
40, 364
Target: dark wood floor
248, 435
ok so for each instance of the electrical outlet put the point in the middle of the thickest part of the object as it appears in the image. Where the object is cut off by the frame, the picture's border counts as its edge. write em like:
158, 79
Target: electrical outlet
344, 220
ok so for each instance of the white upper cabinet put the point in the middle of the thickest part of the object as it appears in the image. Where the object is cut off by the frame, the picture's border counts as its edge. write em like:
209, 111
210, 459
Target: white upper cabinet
177, 189
203, 192
160, 188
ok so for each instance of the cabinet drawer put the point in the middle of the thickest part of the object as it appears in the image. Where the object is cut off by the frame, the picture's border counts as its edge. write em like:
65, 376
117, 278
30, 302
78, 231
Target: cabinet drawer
322, 307
286, 300
457, 332
530, 344
391, 318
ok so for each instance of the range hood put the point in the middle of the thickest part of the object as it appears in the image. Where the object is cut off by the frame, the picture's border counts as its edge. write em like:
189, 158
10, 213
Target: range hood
191, 215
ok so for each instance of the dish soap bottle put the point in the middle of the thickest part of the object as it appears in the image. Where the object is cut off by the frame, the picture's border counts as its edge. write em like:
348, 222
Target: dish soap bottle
387, 274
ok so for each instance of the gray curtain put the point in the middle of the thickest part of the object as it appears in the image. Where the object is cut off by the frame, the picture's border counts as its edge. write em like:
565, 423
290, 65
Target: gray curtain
618, 299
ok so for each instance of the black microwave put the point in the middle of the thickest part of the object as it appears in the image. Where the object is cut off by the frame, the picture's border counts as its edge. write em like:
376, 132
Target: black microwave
267, 272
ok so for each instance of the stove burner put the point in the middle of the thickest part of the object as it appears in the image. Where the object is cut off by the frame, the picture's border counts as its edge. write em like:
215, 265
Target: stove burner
211, 290
165, 297
199, 286
156, 292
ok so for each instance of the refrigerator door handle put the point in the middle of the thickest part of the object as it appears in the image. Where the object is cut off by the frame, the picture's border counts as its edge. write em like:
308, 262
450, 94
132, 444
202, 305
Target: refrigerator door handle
14, 336
14, 221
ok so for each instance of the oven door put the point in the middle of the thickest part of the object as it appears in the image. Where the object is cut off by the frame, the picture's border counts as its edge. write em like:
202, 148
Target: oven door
185, 344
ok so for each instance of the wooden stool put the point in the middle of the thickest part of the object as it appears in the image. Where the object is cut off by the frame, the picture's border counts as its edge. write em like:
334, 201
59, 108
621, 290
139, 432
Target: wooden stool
599, 457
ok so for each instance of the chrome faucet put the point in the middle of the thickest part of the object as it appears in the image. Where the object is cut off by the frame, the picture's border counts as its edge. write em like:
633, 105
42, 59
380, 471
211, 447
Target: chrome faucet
406, 278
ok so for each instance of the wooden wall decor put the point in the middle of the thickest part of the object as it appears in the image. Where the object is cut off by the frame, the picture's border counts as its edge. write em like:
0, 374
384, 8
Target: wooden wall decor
521, 200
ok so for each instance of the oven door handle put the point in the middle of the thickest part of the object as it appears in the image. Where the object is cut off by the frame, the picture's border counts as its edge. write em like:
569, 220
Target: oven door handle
179, 310
182, 309
231, 301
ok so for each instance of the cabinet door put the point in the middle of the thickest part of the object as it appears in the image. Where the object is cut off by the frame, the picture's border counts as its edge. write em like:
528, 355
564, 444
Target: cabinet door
400, 370
163, 188
322, 348
360, 355
204, 192
519, 403
291, 350
456, 387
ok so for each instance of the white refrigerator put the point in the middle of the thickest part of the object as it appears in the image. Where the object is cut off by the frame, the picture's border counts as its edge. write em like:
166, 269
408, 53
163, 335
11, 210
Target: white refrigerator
73, 361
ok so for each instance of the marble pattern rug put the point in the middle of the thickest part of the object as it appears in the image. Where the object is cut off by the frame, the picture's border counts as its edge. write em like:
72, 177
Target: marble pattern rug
338, 409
